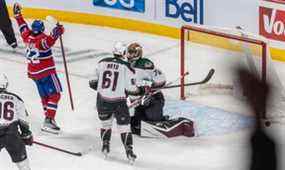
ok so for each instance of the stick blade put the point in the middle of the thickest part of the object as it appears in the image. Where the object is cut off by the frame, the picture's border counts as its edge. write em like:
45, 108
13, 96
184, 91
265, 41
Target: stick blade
210, 74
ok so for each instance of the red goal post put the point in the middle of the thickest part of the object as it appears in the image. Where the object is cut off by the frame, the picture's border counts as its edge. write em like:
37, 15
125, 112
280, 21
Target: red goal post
186, 34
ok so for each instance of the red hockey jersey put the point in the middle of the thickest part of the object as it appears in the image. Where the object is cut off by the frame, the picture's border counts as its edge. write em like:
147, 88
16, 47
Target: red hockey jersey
38, 51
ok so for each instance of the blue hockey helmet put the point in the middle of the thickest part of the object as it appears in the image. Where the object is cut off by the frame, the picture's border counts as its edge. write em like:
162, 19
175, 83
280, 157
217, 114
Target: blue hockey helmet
38, 26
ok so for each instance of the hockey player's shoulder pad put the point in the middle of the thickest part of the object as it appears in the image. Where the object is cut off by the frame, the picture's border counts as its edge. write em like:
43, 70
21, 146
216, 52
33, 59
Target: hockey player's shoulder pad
119, 61
144, 63
107, 59
13, 94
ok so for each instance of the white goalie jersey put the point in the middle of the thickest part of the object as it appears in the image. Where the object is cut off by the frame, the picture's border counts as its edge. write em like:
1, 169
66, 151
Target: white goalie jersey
154, 78
115, 79
148, 74
12, 109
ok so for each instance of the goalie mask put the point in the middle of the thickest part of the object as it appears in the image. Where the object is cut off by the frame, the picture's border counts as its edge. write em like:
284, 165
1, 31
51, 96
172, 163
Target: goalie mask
134, 52
3, 82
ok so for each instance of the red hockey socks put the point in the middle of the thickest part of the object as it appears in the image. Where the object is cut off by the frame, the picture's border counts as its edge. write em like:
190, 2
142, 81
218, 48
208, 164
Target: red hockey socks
52, 105
44, 103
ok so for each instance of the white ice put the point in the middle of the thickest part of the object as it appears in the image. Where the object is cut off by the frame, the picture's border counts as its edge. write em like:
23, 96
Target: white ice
223, 127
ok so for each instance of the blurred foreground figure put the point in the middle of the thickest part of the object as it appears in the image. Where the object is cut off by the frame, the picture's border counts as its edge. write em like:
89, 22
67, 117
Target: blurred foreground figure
6, 25
263, 147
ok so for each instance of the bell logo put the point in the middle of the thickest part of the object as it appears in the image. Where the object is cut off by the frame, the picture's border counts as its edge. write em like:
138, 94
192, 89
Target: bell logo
188, 11
272, 23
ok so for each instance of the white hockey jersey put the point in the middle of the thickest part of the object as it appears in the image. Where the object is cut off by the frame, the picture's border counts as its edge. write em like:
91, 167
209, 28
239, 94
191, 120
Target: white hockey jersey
148, 74
12, 109
115, 79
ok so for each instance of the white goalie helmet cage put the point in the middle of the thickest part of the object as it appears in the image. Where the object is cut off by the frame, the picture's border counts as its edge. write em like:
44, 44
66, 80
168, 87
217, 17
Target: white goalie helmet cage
3, 81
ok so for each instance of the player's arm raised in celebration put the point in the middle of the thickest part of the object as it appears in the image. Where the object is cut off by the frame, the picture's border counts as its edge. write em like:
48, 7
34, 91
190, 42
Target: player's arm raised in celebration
50, 40
23, 26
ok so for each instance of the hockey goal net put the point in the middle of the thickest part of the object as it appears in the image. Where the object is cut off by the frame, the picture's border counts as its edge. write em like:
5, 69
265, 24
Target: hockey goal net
203, 48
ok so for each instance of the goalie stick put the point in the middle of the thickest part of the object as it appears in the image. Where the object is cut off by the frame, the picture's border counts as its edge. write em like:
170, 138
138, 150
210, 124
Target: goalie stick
205, 80
58, 149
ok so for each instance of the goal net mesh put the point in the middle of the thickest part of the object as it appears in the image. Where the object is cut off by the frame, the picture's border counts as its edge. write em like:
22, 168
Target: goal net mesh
203, 48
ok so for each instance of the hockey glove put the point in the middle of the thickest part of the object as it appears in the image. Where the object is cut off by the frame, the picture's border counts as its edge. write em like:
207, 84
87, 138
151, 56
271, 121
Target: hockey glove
143, 90
27, 138
17, 10
146, 100
93, 84
57, 31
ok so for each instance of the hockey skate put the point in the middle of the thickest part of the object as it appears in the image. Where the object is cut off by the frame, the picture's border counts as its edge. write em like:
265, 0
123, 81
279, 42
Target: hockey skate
50, 126
105, 149
130, 155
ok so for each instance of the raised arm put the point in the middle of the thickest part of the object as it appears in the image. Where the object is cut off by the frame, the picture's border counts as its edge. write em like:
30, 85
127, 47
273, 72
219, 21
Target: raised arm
50, 40
24, 29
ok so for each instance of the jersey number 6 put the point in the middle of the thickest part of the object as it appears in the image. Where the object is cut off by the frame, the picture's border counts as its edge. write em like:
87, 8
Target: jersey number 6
110, 79
7, 110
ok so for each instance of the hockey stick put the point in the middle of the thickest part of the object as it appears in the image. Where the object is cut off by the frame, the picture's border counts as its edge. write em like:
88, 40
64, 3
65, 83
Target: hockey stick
53, 20
205, 80
156, 90
58, 149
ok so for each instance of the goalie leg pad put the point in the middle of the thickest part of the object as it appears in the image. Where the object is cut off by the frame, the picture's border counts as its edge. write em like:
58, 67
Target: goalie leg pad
169, 128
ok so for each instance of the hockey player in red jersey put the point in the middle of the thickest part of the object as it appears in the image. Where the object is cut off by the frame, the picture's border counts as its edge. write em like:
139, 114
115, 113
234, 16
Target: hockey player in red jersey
41, 65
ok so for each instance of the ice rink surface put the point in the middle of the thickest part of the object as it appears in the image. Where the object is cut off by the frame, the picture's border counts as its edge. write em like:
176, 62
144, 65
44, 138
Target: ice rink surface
222, 123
